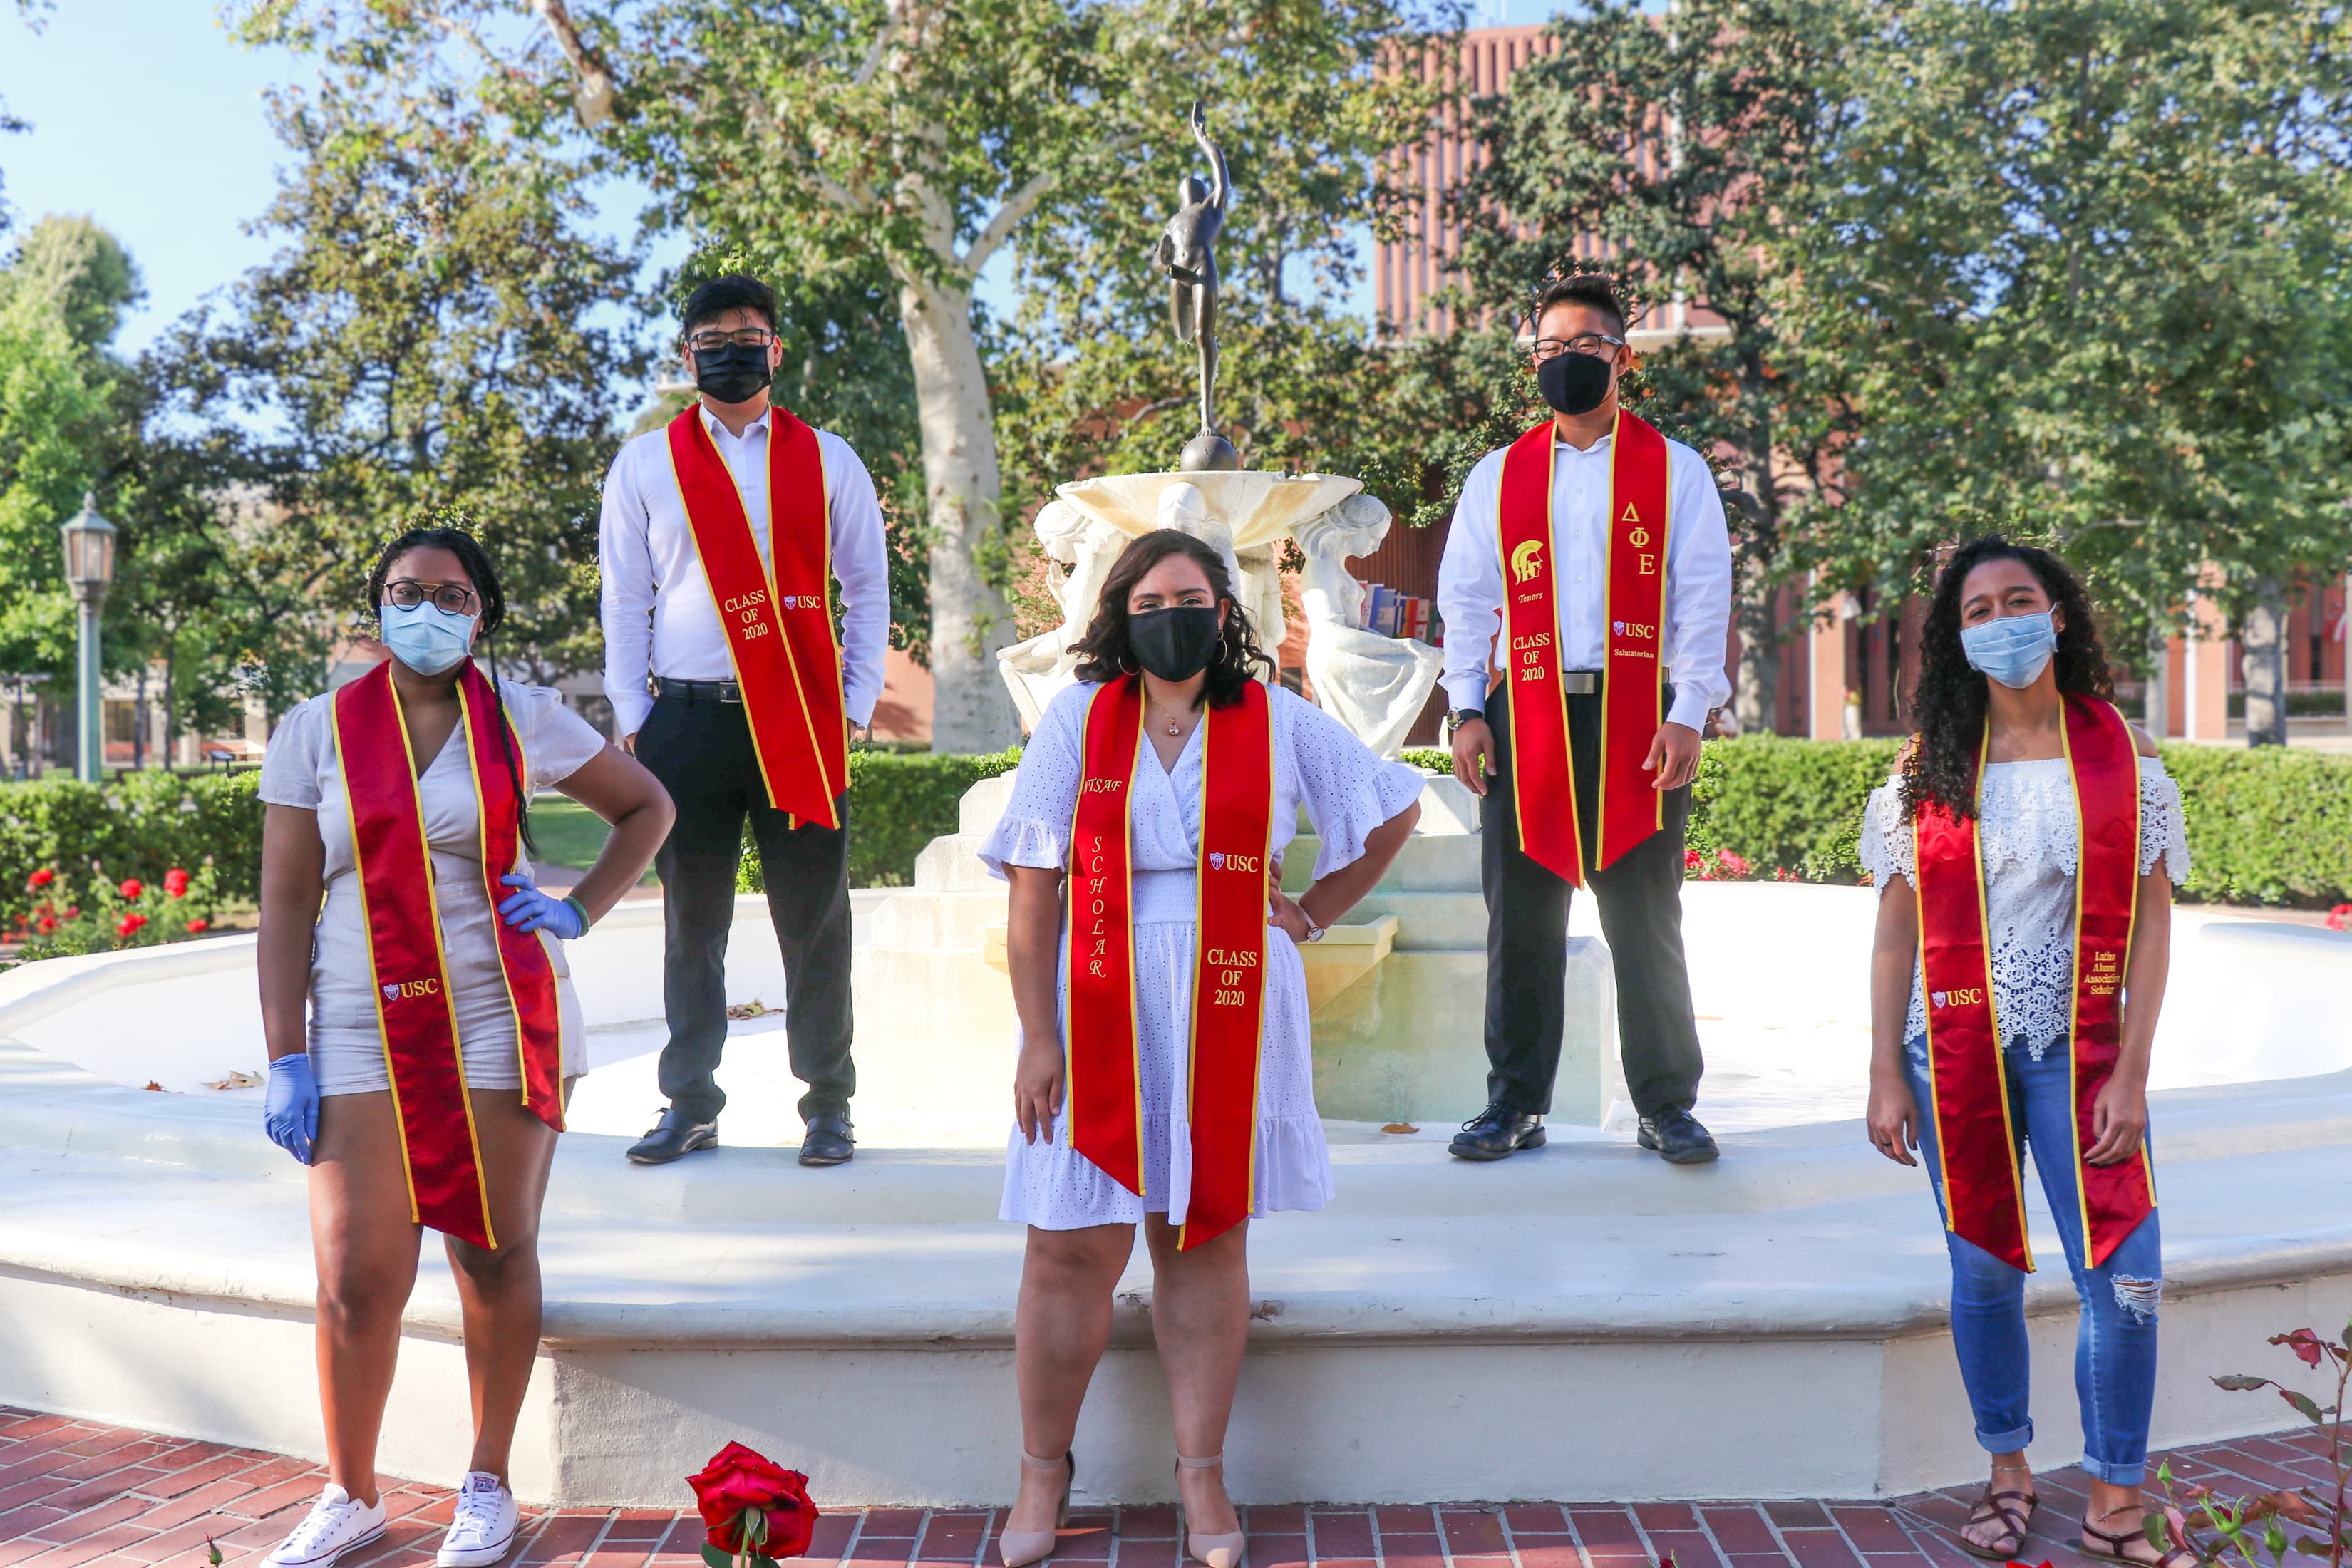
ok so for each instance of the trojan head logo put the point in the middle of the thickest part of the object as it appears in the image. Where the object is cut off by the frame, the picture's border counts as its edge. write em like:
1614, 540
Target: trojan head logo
1525, 560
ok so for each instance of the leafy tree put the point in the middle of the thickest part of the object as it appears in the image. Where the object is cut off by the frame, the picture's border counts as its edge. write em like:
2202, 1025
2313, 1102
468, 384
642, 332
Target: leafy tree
60, 297
427, 343
1689, 146
899, 145
2084, 276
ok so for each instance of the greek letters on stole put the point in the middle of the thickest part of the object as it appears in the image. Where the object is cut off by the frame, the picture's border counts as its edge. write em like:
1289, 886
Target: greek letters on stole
1633, 625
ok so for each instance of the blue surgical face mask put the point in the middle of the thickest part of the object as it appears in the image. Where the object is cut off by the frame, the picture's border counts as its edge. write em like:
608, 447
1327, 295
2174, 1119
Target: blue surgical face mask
427, 637
2012, 649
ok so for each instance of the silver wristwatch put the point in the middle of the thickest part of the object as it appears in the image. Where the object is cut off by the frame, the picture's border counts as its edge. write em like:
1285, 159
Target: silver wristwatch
1314, 932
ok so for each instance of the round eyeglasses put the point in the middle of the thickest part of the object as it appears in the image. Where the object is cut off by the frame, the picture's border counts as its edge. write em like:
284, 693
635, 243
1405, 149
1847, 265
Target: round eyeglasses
407, 592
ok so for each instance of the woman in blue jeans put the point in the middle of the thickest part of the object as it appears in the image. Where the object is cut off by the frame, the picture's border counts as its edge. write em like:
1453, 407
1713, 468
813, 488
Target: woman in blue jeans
1978, 849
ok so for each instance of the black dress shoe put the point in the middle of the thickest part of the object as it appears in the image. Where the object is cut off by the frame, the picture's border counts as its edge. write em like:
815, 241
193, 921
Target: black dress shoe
676, 1135
1678, 1138
1496, 1133
829, 1142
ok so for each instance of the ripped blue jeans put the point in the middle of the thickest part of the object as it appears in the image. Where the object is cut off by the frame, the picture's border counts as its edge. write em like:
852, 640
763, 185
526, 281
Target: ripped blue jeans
2115, 1346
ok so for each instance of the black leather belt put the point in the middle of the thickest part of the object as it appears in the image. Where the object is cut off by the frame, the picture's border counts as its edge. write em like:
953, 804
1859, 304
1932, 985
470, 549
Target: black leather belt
697, 691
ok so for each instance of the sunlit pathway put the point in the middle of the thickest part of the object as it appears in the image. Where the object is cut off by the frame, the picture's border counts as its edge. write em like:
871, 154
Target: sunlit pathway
77, 1493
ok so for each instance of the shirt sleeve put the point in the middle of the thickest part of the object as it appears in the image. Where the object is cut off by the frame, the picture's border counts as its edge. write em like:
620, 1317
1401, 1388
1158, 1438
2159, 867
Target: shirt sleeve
1470, 585
556, 741
1035, 828
1698, 592
1886, 850
2163, 821
625, 562
289, 765
862, 567
1347, 789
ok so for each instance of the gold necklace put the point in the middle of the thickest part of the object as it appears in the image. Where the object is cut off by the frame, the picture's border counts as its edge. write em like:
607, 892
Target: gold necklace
1173, 728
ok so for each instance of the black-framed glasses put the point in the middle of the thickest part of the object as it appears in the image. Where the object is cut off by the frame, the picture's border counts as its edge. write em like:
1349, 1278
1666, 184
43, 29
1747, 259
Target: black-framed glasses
747, 338
407, 592
1599, 345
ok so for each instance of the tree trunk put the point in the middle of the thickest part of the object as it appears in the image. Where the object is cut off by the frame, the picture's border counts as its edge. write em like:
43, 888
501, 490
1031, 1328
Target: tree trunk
1756, 684
2155, 706
971, 710
2264, 646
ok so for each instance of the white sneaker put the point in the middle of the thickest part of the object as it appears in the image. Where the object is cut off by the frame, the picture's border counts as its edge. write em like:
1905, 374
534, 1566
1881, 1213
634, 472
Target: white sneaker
336, 1523
483, 1530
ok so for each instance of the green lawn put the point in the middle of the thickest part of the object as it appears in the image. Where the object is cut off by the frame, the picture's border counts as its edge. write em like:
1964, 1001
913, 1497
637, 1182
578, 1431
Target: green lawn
569, 834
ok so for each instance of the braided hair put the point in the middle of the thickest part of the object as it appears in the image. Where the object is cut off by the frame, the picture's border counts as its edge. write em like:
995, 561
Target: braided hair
1104, 649
475, 561
1948, 705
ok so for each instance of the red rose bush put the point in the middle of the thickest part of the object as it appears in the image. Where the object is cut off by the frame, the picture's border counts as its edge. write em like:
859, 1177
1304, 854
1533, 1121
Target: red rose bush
754, 1510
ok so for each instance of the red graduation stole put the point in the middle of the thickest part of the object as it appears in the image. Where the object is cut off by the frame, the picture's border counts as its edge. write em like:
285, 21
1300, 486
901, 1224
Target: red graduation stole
1229, 974
1984, 1195
778, 622
1634, 612
410, 971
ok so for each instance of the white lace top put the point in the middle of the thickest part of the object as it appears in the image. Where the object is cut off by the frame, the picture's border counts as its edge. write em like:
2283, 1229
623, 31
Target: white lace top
2027, 835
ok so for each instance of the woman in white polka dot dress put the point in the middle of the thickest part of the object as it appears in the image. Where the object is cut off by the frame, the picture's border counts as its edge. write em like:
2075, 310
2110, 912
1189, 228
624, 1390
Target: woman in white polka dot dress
1170, 642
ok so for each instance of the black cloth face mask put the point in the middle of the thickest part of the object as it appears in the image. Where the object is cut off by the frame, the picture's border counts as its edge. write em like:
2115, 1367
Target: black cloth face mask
1174, 644
732, 374
1573, 383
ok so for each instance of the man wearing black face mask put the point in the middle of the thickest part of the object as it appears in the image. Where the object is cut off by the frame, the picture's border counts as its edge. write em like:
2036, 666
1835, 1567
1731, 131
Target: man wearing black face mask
1586, 586
722, 538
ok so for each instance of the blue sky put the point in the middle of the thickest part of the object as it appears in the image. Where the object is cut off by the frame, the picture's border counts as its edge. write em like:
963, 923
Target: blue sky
147, 117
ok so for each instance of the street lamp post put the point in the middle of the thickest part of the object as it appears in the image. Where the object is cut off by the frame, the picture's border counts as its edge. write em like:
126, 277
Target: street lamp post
89, 568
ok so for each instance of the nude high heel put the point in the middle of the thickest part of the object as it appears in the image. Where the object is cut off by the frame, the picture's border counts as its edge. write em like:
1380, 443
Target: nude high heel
1019, 1548
1214, 1550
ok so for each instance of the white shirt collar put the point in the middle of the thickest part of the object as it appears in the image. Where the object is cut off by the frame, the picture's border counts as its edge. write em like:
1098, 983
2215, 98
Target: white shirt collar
718, 431
1560, 443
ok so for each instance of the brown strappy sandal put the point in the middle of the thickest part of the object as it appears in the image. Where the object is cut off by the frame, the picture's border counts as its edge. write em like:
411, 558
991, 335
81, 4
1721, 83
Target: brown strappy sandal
2114, 1548
2003, 1506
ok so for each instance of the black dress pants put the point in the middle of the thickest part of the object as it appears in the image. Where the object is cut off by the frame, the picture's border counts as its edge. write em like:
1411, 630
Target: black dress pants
1640, 896
701, 751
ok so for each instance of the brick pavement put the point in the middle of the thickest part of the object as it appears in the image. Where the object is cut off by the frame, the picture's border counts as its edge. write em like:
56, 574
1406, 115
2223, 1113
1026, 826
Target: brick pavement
79, 1494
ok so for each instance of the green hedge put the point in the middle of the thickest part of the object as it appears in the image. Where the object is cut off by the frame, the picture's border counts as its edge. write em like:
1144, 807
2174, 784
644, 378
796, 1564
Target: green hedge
898, 802
140, 825
2267, 826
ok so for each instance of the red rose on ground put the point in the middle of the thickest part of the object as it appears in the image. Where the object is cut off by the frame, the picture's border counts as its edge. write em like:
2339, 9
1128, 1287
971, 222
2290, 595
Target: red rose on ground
131, 887
738, 1481
175, 882
198, 926
42, 878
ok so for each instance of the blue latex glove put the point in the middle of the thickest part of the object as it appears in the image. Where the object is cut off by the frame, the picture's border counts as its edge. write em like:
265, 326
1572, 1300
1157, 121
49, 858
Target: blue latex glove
291, 1113
531, 909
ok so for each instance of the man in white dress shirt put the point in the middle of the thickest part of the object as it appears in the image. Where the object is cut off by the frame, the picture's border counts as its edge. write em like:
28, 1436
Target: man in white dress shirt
679, 689
1581, 354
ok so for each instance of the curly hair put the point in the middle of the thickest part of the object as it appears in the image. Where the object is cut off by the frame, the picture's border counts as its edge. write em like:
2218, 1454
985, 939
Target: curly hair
1105, 652
1949, 702
475, 561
